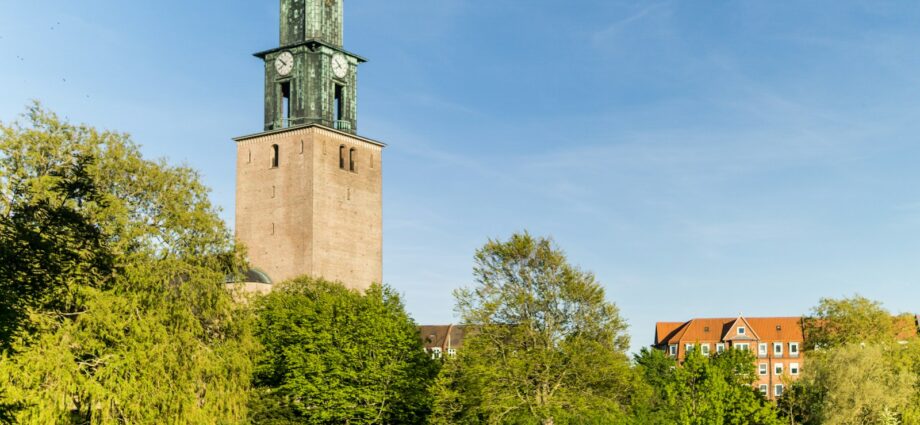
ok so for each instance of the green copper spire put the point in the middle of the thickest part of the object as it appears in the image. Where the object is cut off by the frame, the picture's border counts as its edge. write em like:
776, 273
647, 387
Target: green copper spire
303, 20
310, 78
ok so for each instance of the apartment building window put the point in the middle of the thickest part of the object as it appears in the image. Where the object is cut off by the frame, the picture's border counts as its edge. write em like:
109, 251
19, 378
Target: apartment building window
764, 389
778, 349
743, 347
778, 390
794, 349
688, 348
720, 348
705, 349
763, 369
673, 350
762, 349
778, 369
794, 369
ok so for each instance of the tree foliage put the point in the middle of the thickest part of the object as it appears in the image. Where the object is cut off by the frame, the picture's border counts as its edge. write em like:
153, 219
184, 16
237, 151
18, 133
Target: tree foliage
858, 371
335, 356
112, 307
547, 346
858, 384
704, 390
857, 320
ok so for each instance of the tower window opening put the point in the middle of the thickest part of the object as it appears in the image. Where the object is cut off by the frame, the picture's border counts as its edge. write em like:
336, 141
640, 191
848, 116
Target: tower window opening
342, 157
275, 160
338, 105
351, 159
286, 104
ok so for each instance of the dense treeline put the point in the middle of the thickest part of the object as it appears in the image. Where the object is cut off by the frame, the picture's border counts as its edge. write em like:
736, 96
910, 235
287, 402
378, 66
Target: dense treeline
113, 310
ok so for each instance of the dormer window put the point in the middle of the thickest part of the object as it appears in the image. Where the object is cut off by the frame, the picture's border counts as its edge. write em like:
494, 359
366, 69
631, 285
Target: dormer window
741, 330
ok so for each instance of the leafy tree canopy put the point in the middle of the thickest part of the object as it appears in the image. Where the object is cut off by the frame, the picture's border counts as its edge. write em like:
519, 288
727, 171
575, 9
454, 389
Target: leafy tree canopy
857, 320
547, 346
704, 390
335, 356
112, 307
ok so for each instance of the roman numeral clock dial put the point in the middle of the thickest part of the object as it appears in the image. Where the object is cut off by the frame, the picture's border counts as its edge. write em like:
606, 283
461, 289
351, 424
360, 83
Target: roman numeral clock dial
284, 63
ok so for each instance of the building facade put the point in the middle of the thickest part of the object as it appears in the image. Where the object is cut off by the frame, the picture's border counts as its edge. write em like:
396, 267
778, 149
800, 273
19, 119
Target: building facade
776, 342
309, 188
442, 341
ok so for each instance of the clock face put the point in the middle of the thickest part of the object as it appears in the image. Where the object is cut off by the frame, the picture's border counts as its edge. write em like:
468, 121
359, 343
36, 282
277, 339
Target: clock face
339, 65
284, 63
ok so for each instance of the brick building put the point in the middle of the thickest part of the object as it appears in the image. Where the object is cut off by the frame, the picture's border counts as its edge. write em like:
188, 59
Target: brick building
309, 188
776, 342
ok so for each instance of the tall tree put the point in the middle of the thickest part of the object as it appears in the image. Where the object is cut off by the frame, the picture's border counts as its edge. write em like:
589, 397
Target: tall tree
547, 346
112, 303
335, 356
857, 320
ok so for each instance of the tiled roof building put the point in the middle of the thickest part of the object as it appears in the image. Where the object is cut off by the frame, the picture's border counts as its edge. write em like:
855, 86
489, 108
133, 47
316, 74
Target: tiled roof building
442, 340
776, 342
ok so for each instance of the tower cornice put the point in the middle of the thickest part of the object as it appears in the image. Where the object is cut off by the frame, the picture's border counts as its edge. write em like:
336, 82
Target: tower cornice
309, 43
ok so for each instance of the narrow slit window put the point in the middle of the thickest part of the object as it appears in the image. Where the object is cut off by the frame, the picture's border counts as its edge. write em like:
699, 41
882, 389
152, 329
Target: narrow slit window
351, 159
275, 160
342, 157
338, 106
286, 104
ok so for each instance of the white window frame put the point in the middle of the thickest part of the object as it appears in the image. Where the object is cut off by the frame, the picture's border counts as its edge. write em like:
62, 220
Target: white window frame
765, 389
778, 349
436, 353
764, 369
779, 369
743, 346
673, 350
742, 330
778, 390
689, 347
720, 348
705, 349
794, 369
762, 349
794, 349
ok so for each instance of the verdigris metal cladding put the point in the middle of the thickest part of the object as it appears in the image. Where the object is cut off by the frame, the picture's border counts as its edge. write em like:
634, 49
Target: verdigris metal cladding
311, 30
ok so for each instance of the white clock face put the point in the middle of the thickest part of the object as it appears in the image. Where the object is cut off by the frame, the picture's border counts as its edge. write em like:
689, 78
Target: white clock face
284, 63
339, 65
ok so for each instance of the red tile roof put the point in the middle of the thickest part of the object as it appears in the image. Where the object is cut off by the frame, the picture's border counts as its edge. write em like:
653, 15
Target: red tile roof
720, 329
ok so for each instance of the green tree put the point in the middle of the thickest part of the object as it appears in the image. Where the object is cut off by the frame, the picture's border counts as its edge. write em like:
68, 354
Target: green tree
335, 356
704, 390
860, 384
856, 320
112, 306
546, 347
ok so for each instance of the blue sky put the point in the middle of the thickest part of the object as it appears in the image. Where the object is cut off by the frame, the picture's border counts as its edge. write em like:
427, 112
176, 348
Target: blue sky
702, 158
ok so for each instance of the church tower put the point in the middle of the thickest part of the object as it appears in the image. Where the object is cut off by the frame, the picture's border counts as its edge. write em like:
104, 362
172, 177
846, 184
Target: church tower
308, 197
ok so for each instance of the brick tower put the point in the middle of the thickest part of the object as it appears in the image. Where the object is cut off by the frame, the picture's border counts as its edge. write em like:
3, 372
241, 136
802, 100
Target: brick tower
308, 197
